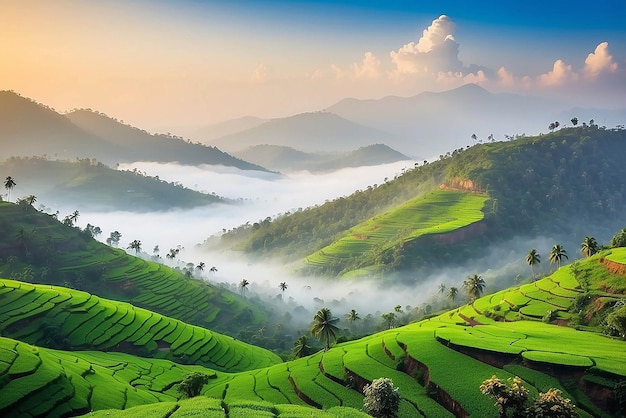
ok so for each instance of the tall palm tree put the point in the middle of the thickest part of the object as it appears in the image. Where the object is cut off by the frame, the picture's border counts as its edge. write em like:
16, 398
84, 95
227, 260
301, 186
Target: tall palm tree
243, 286
452, 294
9, 184
557, 254
324, 327
301, 347
352, 316
589, 246
442, 288
200, 266
283, 286
474, 286
74, 217
532, 259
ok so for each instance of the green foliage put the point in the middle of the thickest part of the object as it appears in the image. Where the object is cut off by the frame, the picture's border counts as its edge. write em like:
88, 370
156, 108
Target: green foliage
616, 321
324, 327
619, 239
192, 384
382, 398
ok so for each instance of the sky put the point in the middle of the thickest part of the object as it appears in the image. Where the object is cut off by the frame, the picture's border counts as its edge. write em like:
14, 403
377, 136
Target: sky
162, 65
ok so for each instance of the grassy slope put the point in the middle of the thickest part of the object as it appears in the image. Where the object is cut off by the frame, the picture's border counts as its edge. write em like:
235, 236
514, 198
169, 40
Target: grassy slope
438, 212
53, 253
58, 317
96, 186
424, 359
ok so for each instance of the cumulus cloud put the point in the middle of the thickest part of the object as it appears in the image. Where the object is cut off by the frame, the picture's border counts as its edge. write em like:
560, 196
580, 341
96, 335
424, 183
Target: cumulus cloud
599, 61
561, 74
436, 51
369, 68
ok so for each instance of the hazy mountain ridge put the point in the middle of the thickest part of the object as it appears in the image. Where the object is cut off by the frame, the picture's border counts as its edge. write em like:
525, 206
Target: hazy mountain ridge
28, 129
282, 158
94, 186
435, 123
308, 132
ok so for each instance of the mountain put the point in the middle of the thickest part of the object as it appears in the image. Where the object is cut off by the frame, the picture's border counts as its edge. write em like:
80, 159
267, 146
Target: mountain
281, 158
28, 129
91, 185
142, 146
555, 186
309, 132
209, 133
434, 123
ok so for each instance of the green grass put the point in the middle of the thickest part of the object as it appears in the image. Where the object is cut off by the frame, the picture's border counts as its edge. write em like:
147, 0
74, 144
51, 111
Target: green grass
89, 328
438, 212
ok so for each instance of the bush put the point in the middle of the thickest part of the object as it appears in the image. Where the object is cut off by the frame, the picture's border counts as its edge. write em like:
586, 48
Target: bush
382, 399
619, 239
192, 384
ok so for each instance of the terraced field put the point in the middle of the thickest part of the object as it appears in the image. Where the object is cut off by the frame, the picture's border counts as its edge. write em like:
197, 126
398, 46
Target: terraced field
73, 257
42, 382
62, 318
438, 212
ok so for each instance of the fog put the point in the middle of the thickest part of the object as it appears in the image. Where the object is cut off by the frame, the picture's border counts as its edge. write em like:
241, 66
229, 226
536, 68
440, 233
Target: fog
257, 195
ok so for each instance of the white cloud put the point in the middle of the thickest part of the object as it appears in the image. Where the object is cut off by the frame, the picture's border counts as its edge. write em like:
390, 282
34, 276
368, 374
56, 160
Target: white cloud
369, 69
436, 51
560, 75
599, 61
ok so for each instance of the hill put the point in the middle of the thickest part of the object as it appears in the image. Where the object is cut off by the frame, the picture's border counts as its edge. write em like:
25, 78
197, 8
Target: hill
92, 185
434, 123
142, 146
280, 158
61, 318
28, 128
208, 133
550, 185
308, 132
438, 363
38, 248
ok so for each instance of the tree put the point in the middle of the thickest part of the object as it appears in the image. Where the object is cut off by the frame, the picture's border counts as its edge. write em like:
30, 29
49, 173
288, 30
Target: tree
74, 217
9, 184
390, 318
589, 246
474, 286
551, 404
557, 254
352, 316
574, 121
213, 270
135, 245
114, 238
532, 259
283, 286
30, 199
442, 288
619, 239
324, 327
551, 126
192, 384
452, 294
243, 286
200, 266
382, 398
301, 347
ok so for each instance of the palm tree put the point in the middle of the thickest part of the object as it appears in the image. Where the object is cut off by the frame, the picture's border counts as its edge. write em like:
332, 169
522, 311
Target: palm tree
213, 270
283, 286
324, 327
589, 246
442, 288
556, 255
352, 316
31, 199
533, 258
200, 266
9, 184
74, 217
474, 286
135, 245
452, 294
301, 347
243, 286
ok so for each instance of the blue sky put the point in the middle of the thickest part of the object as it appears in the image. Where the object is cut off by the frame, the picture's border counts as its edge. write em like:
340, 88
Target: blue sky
194, 62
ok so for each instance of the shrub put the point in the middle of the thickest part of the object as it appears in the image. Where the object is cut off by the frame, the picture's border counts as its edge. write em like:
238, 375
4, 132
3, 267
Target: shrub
192, 384
619, 239
382, 399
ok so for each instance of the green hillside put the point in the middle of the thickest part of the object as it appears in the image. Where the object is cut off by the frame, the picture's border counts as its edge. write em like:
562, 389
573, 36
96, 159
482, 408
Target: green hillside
370, 244
37, 248
554, 184
57, 317
92, 185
